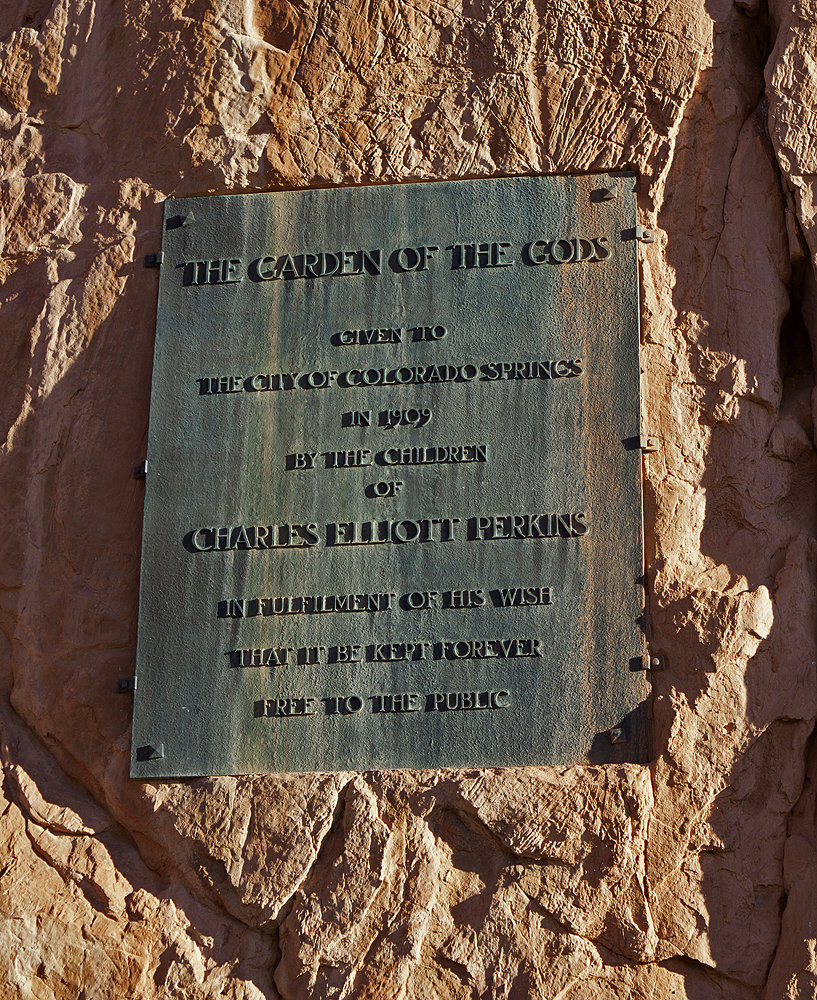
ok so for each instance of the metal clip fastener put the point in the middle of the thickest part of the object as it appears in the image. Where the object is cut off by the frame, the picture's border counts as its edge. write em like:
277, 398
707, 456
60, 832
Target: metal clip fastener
126, 685
154, 259
638, 233
603, 194
648, 443
141, 470
177, 221
653, 663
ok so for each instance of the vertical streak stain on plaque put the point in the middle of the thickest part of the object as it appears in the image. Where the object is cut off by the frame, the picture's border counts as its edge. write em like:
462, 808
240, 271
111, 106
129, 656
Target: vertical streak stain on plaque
617, 307
509, 627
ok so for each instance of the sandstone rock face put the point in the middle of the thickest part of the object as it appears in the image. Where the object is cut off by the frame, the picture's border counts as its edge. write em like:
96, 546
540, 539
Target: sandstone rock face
695, 876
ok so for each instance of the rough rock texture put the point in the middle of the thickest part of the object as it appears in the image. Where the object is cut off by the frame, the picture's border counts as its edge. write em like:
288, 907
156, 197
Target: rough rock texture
693, 877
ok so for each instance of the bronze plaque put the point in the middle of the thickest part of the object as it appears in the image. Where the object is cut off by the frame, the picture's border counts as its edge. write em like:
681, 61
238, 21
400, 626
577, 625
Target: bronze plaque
393, 507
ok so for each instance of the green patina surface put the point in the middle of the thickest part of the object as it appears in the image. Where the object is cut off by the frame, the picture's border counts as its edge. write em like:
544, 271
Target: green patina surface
493, 595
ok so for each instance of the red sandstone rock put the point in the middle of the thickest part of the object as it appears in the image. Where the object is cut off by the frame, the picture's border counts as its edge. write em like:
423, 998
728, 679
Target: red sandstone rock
692, 877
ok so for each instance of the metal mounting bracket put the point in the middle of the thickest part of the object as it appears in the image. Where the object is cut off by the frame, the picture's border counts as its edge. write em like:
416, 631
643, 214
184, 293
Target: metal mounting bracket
653, 663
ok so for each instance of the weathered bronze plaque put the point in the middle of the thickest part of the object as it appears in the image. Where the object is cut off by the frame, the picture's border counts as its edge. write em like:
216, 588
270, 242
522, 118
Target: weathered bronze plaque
393, 509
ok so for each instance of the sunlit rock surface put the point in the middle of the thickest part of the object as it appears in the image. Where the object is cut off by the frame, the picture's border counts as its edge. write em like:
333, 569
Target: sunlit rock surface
693, 877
